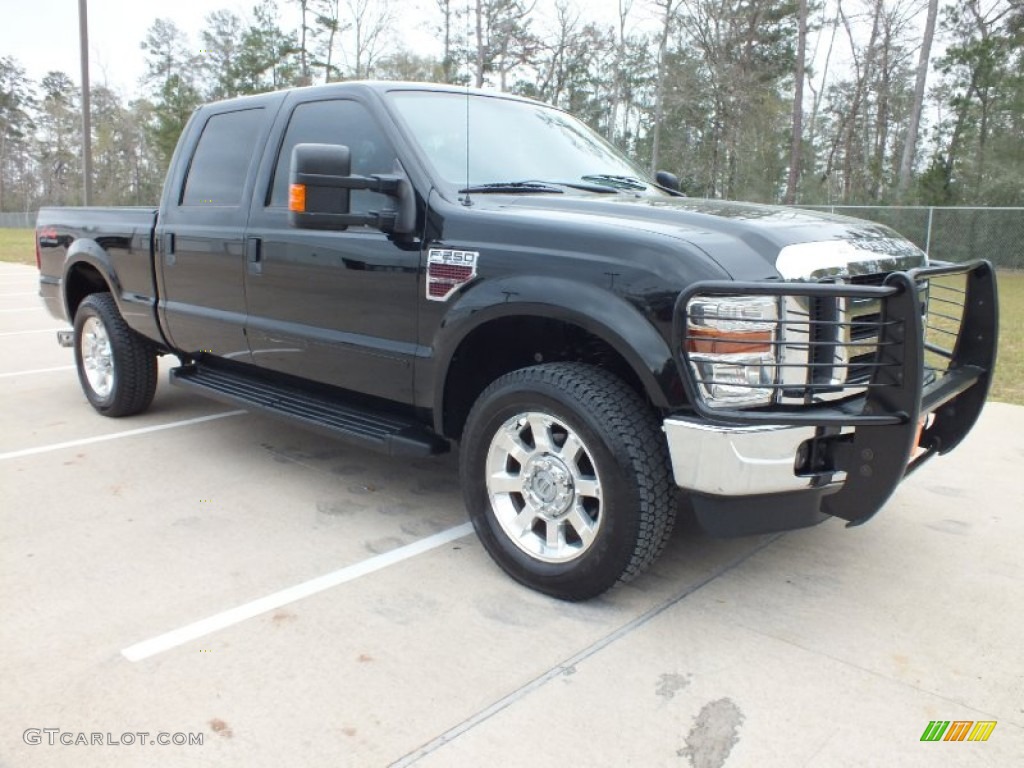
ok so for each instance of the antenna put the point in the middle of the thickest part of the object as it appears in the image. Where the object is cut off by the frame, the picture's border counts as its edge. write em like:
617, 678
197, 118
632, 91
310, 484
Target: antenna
466, 201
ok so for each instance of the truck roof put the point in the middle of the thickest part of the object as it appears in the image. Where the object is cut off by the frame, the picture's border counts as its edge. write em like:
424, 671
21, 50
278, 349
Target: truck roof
378, 86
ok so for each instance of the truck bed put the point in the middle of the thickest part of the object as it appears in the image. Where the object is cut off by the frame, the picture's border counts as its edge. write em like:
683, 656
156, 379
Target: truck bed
118, 242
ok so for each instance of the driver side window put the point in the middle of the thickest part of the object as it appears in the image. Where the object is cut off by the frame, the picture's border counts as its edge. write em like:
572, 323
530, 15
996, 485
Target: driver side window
337, 121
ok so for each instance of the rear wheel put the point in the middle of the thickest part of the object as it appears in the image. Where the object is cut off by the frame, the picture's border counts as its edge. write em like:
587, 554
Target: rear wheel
116, 367
567, 479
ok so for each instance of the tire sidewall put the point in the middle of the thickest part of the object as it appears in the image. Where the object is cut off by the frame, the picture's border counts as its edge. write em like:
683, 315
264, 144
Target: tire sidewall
597, 569
87, 310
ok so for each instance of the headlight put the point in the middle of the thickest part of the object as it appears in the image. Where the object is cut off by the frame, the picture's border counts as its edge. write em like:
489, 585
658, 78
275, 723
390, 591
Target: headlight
731, 342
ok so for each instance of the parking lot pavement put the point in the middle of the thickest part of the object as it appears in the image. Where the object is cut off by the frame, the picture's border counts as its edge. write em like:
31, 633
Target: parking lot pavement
297, 602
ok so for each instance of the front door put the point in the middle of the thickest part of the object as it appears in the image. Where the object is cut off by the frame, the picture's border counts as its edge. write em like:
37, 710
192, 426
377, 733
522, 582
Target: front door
335, 307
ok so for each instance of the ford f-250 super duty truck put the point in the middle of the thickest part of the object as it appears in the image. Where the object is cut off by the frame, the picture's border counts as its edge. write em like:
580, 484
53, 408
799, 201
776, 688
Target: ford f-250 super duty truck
412, 266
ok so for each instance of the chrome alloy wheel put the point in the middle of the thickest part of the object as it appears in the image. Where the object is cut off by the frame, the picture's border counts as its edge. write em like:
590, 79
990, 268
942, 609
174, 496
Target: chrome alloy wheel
97, 357
544, 487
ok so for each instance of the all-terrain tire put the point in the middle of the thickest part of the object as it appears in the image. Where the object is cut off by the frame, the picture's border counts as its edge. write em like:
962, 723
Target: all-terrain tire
116, 367
567, 479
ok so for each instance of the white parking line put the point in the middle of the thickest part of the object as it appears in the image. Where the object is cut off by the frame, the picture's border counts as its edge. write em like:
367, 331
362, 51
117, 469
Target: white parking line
26, 333
23, 309
12, 295
114, 436
233, 616
37, 370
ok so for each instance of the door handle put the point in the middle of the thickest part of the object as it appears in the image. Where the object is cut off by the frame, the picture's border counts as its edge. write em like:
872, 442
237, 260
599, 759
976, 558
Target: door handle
169, 256
254, 255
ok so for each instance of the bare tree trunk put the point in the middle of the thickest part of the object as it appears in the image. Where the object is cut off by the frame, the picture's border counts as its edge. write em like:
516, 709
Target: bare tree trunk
863, 79
359, 52
333, 24
982, 141
330, 55
3, 166
552, 77
479, 43
882, 120
818, 94
617, 75
370, 21
445, 6
910, 145
796, 149
659, 88
302, 45
717, 132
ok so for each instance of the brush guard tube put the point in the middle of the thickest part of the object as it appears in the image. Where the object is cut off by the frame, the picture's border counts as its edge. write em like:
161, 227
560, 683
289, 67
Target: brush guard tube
875, 431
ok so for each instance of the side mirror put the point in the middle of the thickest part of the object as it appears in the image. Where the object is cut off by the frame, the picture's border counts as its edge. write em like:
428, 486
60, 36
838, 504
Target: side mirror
667, 180
313, 200
320, 186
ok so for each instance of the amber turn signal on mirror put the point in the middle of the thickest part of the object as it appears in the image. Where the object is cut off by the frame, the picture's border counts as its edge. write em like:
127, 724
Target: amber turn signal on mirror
297, 198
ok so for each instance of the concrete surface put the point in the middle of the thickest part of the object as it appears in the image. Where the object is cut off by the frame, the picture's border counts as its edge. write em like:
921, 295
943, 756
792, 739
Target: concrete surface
822, 647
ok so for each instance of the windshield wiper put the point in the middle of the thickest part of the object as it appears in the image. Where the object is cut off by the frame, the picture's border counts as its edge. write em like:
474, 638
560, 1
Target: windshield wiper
618, 182
512, 187
601, 189
535, 185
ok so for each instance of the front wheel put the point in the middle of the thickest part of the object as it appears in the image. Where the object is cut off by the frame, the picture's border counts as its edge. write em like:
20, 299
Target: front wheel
116, 367
567, 479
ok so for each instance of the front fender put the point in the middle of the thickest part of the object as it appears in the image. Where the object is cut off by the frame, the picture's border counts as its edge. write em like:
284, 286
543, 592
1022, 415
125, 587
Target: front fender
594, 309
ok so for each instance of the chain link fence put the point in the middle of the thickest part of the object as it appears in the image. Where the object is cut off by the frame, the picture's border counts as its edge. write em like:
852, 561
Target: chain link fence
951, 234
25, 220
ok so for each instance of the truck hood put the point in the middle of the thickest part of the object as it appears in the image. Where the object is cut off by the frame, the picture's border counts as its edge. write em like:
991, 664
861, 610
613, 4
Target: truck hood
748, 241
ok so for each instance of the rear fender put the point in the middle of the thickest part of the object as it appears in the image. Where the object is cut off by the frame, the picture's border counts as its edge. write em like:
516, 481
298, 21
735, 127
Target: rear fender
86, 252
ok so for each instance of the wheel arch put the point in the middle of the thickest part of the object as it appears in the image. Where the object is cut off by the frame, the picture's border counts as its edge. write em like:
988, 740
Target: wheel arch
88, 270
520, 322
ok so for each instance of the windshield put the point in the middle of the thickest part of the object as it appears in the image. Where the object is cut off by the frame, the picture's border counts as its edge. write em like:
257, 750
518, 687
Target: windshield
511, 141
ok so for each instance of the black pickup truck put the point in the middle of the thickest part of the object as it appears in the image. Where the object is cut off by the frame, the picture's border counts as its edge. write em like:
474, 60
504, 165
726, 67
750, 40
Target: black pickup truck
409, 267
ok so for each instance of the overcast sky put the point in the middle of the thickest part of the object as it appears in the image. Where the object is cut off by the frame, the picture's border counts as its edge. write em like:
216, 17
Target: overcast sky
43, 34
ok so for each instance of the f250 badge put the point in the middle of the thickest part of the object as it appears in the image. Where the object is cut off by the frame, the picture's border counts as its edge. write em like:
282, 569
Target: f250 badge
448, 270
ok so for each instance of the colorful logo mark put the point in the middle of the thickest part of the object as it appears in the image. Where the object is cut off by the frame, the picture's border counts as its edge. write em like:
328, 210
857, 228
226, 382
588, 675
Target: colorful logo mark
958, 730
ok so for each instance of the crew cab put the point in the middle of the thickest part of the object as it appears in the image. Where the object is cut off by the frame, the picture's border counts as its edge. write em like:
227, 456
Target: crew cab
415, 267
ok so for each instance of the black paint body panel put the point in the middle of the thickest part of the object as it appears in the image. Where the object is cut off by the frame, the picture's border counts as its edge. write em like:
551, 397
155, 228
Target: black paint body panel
349, 309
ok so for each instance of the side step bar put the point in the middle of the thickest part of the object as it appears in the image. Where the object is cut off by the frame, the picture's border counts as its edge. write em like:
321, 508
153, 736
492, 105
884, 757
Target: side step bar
389, 434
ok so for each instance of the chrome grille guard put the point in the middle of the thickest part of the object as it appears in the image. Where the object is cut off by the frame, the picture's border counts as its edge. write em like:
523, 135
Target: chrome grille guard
922, 373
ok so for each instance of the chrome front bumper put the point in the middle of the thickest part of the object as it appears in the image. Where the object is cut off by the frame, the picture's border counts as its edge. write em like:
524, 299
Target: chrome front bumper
736, 460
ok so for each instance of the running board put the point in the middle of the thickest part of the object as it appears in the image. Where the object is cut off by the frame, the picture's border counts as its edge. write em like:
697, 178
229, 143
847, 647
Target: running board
389, 434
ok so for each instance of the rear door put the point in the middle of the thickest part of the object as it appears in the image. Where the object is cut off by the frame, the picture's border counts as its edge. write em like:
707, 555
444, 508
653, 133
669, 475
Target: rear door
335, 307
200, 234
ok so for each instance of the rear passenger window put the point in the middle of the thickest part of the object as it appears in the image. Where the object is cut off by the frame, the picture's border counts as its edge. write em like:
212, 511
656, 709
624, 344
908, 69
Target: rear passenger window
335, 122
220, 164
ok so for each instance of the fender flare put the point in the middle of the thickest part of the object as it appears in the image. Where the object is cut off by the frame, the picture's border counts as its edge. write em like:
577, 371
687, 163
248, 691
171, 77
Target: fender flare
89, 252
594, 309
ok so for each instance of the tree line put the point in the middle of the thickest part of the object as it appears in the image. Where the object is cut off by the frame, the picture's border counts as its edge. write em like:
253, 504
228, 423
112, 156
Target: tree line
799, 101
